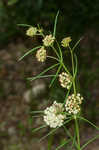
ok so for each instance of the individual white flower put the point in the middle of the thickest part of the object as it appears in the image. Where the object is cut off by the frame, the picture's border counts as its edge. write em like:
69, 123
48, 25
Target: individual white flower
65, 42
41, 54
73, 102
65, 80
48, 40
53, 115
31, 31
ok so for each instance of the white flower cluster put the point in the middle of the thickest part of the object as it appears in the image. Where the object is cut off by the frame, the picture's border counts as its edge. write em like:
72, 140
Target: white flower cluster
73, 102
31, 31
41, 54
65, 80
48, 40
53, 115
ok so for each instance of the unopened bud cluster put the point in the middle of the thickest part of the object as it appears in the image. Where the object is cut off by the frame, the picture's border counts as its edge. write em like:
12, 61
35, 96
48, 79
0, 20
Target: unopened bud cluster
65, 42
73, 102
31, 31
41, 54
48, 40
53, 115
65, 80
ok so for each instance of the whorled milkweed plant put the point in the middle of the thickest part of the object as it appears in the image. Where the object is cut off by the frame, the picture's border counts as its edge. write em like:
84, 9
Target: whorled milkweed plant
60, 114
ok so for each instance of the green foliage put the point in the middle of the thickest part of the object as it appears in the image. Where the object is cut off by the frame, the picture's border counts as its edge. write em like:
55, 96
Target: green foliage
70, 109
12, 2
76, 15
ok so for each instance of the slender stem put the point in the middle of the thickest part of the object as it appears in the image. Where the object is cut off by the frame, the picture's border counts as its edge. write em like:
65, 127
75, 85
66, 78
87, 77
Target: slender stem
77, 132
69, 134
50, 141
55, 51
73, 70
65, 67
72, 61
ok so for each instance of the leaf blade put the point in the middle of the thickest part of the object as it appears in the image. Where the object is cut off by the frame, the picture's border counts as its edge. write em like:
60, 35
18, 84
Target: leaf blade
30, 51
24, 25
54, 32
52, 81
33, 78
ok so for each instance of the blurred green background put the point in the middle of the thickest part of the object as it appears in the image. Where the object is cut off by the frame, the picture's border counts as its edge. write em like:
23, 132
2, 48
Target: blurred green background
77, 18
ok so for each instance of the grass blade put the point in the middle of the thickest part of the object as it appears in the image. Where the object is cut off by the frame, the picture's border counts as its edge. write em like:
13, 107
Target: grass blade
38, 76
30, 51
54, 32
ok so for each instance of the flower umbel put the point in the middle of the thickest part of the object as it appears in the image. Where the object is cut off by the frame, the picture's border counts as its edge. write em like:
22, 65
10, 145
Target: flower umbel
65, 80
73, 102
53, 115
48, 40
41, 54
65, 42
31, 31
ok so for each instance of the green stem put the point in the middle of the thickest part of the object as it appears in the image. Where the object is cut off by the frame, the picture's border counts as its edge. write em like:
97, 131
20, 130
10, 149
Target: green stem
69, 134
65, 67
72, 61
55, 51
77, 132
50, 141
73, 70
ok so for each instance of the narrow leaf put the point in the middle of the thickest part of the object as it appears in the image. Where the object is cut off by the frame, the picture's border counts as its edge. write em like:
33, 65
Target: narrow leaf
54, 33
33, 78
75, 65
30, 51
24, 25
53, 130
61, 55
64, 143
69, 134
77, 43
34, 112
52, 81
36, 129
89, 141
67, 93
46, 76
89, 122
